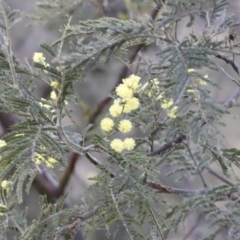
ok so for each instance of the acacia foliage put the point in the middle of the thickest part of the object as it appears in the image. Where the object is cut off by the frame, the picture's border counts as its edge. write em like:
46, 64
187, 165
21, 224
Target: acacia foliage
127, 191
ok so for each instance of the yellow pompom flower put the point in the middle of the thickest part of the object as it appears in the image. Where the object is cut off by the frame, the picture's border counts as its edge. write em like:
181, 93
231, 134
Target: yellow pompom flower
125, 126
129, 143
116, 109
2, 143
132, 81
55, 84
5, 184
38, 57
53, 95
131, 105
117, 145
123, 91
167, 104
107, 124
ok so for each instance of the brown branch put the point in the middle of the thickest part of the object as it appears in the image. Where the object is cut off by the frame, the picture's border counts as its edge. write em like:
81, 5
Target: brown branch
82, 217
229, 61
166, 146
66, 175
171, 190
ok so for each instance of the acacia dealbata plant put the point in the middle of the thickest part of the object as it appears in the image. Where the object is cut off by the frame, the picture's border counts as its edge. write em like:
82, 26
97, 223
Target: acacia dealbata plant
159, 119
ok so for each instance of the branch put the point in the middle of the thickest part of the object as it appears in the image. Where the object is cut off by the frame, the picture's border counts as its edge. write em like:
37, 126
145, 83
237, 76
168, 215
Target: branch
220, 177
83, 217
120, 214
229, 61
196, 165
170, 190
232, 101
166, 146
157, 224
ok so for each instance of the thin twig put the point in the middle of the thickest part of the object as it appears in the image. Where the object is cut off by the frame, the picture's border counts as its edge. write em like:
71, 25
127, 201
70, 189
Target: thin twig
83, 217
220, 177
196, 165
157, 224
170, 190
120, 215
95, 161
166, 146
229, 61
230, 77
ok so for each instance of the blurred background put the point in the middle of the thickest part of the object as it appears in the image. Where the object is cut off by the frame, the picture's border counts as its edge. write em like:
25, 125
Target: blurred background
25, 40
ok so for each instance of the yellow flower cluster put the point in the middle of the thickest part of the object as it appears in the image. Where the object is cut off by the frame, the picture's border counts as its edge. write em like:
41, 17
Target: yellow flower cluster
124, 104
5, 184
168, 106
55, 84
124, 125
124, 91
118, 145
126, 101
38, 57
53, 95
49, 161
